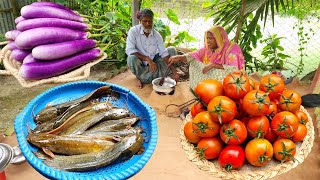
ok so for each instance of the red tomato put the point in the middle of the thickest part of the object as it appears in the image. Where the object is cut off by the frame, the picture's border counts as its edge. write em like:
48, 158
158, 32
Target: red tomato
2, 175
233, 132
256, 85
285, 124
252, 83
302, 116
240, 111
258, 126
196, 108
300, 134
208, 89
231, 157
222, 109
272, 84
204, 126
236, 85
277, 103
245, 120
259, 152
271, 136
284, 150
290, 100
273, 110
256, 103
190, 135
209, 148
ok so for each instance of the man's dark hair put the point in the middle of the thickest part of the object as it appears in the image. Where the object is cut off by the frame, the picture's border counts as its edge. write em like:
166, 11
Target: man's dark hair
144, 12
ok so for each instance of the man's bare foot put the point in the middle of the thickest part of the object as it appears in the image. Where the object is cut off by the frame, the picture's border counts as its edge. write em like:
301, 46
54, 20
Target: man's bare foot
139, 84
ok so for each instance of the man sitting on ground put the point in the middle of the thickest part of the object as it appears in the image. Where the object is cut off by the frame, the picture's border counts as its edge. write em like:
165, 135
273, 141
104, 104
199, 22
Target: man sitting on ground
147, 56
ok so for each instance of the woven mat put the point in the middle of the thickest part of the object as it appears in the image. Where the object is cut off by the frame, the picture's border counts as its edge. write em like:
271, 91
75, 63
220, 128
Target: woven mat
272, 169
12, 68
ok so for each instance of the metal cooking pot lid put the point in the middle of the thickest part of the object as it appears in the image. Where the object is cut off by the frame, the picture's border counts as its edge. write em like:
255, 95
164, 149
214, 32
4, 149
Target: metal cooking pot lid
6, 154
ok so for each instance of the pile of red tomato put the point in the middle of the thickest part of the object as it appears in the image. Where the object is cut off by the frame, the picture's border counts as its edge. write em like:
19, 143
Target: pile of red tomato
242, 120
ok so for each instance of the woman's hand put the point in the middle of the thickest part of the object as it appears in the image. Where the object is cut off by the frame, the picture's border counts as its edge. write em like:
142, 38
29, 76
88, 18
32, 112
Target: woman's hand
175, 59
211, 66
207, 68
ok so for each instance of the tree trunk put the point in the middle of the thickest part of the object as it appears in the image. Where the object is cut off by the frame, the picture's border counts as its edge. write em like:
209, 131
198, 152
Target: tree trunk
242, 10
135, 8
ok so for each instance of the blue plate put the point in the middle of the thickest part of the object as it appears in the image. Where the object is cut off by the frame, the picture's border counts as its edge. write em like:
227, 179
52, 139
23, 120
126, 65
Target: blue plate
62, 93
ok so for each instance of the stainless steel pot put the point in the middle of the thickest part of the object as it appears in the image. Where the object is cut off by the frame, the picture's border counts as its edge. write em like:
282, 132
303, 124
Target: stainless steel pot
168, 86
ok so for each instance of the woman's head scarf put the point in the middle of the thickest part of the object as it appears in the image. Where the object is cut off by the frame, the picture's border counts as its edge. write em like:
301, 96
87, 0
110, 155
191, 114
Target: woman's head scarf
206, 55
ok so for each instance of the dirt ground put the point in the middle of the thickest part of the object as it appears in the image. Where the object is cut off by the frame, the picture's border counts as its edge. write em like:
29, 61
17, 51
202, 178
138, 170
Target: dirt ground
169, 160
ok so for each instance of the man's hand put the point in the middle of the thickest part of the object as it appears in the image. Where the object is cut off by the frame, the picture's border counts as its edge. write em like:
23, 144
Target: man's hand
152, 65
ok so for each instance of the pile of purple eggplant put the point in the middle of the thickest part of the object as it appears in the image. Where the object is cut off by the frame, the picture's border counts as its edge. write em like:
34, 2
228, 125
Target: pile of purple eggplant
49, 40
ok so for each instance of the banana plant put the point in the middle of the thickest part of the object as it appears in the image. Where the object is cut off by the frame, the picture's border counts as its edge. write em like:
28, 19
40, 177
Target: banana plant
227, 13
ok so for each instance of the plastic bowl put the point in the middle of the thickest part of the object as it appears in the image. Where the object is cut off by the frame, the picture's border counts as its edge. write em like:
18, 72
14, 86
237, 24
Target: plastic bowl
62, 93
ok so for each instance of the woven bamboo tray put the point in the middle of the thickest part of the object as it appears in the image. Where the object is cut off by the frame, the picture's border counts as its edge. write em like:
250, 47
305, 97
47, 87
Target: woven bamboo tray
12, 68
272, 169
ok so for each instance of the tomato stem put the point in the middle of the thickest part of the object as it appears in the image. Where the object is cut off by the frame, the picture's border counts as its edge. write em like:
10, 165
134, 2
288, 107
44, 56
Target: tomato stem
286, 153
230, 133
260, 100
259, 133
200, 152
228, 167
287, 101
238, 83
202, 127
270, 86
219, 110
198, 98
284, 127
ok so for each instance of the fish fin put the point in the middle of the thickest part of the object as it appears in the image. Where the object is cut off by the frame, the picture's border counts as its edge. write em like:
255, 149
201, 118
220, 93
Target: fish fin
48, 152
41, 155
141, 150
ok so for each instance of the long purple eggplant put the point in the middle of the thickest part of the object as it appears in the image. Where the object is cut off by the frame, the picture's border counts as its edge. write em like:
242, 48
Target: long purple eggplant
51, 22
34, 37
52, 4
41, 70
20, 54
19, 19
65, 49
12, 45
30, 12
29, 59
12, 35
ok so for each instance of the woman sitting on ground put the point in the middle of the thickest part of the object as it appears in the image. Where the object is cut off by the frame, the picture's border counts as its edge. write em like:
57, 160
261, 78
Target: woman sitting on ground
215, 60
